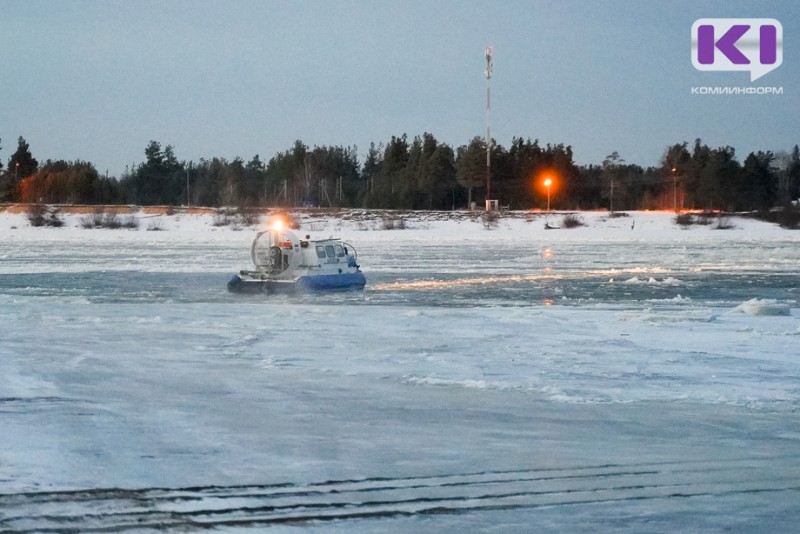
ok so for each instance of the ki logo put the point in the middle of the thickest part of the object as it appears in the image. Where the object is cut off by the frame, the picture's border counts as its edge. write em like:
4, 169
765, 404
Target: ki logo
754, 45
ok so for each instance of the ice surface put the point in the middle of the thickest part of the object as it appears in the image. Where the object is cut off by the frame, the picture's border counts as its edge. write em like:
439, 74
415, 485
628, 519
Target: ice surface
596, 379
763, 307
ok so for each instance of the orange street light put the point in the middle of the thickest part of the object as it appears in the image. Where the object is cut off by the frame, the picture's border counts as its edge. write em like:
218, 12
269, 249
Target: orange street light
675, 189
547, 183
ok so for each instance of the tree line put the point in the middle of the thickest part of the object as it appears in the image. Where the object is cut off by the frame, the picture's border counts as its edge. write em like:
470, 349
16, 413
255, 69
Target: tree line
418, 173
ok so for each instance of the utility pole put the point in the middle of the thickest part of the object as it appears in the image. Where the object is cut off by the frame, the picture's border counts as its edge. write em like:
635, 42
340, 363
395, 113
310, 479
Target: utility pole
612, 195
188, 193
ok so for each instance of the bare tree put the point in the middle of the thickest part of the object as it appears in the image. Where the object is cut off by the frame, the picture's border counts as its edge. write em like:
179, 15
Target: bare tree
306, 175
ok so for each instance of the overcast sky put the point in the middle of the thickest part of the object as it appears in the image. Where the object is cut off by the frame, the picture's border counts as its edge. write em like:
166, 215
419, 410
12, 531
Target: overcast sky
97, 80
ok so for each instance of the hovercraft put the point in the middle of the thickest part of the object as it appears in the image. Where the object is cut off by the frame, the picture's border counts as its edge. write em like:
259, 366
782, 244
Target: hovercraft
285, 263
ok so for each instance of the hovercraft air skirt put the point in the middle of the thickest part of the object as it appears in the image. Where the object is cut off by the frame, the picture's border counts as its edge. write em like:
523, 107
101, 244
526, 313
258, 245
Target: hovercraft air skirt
324, 282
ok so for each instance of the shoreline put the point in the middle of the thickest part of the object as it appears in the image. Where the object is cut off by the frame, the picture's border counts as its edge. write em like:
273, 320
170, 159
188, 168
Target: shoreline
386, 219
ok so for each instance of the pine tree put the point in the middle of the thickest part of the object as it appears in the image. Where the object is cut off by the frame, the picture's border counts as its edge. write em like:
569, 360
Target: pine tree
22, 163
254, 187
471, 165
794, 174
759, 182
441, 178
370, 170
392, 176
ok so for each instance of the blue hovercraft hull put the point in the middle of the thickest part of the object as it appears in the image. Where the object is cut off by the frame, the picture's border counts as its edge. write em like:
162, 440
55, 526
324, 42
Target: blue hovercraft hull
323, 282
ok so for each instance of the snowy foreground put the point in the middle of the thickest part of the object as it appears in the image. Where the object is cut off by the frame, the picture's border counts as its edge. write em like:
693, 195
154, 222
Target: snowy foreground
625, 376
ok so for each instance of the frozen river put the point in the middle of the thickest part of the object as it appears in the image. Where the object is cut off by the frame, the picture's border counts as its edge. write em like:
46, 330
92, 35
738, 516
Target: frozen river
514, 380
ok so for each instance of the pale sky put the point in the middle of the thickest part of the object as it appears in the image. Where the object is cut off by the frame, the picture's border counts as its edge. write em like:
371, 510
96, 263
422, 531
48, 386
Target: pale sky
97, 80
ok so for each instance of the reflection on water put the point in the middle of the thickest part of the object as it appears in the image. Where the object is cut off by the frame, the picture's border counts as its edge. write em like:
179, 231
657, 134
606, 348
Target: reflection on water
413, 285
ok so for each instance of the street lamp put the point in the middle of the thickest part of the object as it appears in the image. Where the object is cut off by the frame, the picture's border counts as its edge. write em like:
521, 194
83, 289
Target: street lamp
547, 183
675, 189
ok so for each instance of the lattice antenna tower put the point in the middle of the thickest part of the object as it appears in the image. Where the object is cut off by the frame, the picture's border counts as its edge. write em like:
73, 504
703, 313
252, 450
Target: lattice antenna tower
489, 67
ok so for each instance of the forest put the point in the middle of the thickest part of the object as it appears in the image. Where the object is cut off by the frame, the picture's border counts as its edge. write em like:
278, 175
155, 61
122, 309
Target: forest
420, 174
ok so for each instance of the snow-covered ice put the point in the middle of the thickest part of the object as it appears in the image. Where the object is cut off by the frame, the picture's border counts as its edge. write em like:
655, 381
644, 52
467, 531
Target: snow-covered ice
604, 378
763, 307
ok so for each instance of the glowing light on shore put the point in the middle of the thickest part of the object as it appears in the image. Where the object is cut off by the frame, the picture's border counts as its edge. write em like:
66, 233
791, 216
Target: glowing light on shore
547, 183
